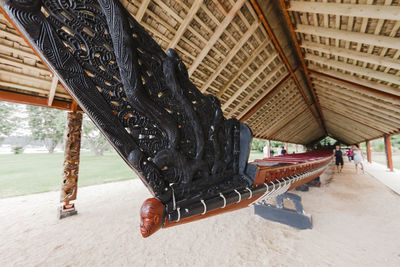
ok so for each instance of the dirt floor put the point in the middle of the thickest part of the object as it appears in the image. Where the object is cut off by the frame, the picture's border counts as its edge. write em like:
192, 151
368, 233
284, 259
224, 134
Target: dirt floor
356, 223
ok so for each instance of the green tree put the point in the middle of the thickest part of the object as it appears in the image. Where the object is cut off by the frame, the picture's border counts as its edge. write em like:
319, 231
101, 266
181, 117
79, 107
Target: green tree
258, 144
94, 138
47, 125
8, 119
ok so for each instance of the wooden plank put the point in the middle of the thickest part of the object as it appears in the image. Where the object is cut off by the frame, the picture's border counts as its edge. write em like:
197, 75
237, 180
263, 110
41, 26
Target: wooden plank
243, 67
355, 69
354, 55
351, 36
230, 56
360, 110
182, 28
5, 48
284, 58
258, 104
32, 100
254, 90
250, 80
52, 92
303, 62
340, 9
358, 97
23, 66
353, 119
215, 37
374, 89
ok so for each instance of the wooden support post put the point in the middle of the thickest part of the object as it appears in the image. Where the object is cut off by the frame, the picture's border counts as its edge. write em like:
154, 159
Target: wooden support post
287, 147
71, 163
388, 151
368, 144
297, 150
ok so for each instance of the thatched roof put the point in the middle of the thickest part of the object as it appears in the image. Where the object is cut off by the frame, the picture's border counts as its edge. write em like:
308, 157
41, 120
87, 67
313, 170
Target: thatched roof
292, 72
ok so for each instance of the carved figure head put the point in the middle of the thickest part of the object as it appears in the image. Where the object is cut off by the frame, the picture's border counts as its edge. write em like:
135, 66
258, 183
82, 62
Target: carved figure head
151, 216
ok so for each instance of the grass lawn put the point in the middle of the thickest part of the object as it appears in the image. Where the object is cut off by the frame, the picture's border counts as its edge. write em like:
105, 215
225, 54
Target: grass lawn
380, 157
36, 173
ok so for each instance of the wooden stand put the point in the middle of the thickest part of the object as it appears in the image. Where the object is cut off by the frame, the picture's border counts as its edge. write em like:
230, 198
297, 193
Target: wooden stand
71, 164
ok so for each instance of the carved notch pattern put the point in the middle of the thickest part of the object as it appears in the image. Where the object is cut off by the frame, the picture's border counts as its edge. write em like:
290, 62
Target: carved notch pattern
139, 96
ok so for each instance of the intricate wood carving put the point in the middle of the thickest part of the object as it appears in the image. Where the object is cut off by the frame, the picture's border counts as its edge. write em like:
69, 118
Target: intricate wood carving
175, 137
191, 158
71, 157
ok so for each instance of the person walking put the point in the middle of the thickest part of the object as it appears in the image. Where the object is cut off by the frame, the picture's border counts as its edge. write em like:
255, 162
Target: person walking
358, 158
338, 158
350, 154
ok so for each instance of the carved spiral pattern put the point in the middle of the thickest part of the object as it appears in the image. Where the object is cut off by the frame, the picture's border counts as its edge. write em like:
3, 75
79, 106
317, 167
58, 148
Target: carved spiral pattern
138, 95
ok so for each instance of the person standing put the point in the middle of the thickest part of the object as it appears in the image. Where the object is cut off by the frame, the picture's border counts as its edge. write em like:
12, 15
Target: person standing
338, 159
271, 152
283, 151
279, 151
358, 158
266, 150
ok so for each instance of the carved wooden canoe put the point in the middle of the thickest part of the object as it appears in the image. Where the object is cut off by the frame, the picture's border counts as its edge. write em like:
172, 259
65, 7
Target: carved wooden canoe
191, 158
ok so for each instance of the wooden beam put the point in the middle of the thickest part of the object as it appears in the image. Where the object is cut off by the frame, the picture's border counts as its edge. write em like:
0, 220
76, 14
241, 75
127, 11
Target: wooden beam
254, 76
217, 34
352, 90
388, 151
346, 80
142, 9
280, 120
264, 99
244, 66
25, 77
303, 62
284, 58
5, 48
350, 129
52, 92
383, 126
377, 11
254, 90
293, 117
369, 156
354, 96
350, 36
13, 62
351, 54
357, 114
182, 28
231, 55
353, 119
360, 109
379, 75
32, 100
350, 102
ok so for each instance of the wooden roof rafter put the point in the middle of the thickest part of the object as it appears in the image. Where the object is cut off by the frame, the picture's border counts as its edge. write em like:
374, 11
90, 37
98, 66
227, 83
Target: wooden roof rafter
284, 58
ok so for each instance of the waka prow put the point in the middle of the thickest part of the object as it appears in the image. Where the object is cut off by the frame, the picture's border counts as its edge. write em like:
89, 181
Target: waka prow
191, 158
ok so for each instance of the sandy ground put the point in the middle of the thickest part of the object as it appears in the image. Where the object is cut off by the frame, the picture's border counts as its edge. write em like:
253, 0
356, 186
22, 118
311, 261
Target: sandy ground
356, 223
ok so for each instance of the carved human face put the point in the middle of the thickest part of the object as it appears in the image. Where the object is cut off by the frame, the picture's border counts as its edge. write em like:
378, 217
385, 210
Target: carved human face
151, 215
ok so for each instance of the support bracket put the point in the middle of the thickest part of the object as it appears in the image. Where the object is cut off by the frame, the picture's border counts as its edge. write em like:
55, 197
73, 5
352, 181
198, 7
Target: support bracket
295, 218
66, 210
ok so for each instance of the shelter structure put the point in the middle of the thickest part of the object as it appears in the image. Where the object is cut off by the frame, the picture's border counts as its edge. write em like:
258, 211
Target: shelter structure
294, 71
